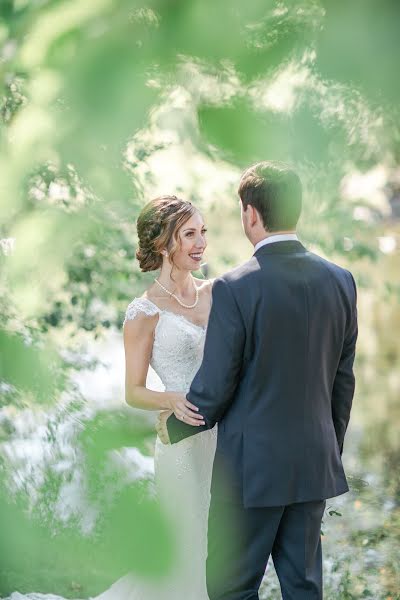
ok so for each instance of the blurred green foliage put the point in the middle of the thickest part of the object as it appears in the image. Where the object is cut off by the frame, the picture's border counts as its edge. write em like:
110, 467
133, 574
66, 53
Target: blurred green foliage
92, 93
79, 78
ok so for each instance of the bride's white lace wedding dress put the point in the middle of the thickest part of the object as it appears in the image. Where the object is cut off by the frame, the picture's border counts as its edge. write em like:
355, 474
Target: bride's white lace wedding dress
182, 471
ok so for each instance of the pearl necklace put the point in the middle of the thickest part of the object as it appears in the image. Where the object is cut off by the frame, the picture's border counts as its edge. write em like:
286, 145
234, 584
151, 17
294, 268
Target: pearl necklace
172, 295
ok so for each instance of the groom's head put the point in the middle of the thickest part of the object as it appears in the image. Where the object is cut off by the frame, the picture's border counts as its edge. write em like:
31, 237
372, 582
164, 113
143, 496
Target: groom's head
270, 194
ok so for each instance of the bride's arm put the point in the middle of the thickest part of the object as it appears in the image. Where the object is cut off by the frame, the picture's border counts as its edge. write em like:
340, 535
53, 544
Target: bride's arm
138, 344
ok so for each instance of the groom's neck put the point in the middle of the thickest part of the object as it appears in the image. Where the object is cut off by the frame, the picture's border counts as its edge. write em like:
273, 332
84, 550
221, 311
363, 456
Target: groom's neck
263, 235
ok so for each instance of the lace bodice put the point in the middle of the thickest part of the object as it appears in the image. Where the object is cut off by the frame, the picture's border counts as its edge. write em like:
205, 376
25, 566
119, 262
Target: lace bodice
178, 345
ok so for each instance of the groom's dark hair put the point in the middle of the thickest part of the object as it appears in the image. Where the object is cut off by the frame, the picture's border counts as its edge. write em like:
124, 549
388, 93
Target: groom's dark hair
274, 189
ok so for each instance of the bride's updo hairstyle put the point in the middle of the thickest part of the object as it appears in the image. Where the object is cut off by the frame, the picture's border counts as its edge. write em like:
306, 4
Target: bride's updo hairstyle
157, 227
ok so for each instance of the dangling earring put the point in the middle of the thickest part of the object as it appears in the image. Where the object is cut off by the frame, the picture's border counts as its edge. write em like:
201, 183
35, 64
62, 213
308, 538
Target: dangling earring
164, 252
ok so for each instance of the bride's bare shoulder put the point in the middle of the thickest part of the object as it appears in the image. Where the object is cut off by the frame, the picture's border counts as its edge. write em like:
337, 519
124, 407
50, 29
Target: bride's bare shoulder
150, 293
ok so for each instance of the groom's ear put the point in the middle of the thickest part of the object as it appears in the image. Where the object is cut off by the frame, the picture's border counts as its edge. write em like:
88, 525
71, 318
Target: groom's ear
254, 215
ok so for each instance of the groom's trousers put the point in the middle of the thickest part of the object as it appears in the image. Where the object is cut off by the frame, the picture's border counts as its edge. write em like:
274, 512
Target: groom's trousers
241, 540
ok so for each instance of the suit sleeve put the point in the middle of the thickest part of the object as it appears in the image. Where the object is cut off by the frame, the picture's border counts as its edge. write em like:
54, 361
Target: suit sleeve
344, 383
214, 385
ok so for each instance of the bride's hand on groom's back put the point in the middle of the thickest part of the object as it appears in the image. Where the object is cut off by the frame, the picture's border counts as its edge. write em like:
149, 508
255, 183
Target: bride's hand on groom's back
184, 410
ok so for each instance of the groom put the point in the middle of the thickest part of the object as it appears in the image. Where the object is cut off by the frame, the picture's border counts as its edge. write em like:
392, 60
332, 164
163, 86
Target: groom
277, 376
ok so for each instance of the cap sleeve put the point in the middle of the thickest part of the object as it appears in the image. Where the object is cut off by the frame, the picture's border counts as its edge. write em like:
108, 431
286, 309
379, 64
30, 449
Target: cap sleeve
140, 305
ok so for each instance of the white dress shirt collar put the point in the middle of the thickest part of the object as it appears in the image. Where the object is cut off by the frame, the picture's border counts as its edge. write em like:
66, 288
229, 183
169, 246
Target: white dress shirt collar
279, 237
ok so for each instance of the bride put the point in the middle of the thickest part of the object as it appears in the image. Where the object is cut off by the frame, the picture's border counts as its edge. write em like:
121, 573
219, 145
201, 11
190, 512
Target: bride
166, 328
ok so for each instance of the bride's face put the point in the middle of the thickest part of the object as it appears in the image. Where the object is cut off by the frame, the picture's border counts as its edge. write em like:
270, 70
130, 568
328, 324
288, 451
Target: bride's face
192, 243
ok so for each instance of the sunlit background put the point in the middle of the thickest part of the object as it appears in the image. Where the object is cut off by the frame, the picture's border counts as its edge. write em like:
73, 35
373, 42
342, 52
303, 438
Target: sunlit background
104, 105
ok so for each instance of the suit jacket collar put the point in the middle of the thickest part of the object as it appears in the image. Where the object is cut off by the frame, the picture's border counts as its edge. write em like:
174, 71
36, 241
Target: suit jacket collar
286, 247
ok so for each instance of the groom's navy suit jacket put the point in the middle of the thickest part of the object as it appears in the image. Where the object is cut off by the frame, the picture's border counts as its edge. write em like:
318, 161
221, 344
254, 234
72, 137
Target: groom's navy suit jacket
277, 375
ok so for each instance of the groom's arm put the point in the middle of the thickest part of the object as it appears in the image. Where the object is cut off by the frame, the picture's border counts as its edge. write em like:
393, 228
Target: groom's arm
214, 385
344, 383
